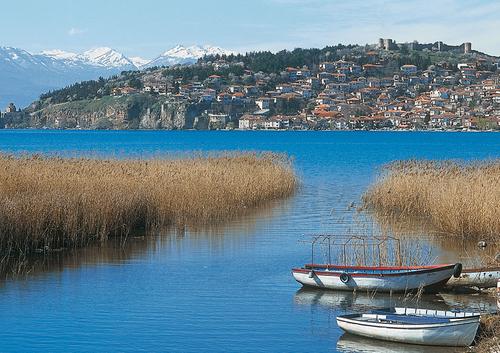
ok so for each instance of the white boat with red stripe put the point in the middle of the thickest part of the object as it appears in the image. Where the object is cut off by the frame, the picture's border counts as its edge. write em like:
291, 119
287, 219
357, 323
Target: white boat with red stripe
381, 279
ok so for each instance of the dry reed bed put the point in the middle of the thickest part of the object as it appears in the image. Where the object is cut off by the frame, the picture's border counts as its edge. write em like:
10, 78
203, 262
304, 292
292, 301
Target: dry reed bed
456, 199
58, 202
489, 334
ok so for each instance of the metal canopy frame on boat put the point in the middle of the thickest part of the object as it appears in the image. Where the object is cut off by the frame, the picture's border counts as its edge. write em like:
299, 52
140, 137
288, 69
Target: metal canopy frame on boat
383, 277
343, 242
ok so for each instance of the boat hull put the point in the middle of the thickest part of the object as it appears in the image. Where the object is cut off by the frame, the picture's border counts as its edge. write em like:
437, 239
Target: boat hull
428, 278
478, 278
455, 333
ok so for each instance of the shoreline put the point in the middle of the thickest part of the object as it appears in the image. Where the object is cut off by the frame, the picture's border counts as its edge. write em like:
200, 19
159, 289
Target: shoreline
267, 130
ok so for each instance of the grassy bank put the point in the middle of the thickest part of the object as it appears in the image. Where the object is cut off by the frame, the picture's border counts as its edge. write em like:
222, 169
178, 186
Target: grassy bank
489, 335
455, 199
59, 202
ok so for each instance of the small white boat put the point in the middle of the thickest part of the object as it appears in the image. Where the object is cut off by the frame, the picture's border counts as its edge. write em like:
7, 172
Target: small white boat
414, 326
381, 279
481, 278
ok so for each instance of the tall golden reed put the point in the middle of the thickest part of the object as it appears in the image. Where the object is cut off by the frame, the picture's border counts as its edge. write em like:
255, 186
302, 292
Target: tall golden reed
455, 198
59, 202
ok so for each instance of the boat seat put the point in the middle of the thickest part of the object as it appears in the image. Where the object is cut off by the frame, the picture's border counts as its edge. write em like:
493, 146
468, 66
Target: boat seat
416, 320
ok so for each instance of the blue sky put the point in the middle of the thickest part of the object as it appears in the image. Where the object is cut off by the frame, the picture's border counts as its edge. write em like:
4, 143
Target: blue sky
149, 27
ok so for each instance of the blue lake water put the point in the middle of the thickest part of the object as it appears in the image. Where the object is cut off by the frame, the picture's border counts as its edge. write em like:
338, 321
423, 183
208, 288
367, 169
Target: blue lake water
227, 288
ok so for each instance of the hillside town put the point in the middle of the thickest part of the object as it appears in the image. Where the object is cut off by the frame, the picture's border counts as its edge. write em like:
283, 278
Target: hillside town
345, 95
362, 88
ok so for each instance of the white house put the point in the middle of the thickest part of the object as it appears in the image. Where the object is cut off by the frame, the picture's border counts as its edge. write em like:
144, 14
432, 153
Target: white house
284, 88
247, 122
263, 103
272, 124
218, 118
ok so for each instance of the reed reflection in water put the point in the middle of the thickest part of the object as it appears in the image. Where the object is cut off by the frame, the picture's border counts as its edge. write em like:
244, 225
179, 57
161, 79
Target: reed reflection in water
118, 250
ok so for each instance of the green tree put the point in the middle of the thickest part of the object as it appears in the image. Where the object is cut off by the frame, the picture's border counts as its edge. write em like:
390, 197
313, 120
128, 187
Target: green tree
135, 83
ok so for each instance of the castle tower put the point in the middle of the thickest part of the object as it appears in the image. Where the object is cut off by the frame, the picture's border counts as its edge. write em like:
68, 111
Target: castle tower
388, 44
11, 108
467, 47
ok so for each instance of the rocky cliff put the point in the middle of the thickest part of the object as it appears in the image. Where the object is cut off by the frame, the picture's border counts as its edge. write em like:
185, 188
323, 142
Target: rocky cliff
138, 111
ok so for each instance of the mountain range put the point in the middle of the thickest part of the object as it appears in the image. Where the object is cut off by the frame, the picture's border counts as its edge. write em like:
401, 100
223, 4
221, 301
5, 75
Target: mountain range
24, 76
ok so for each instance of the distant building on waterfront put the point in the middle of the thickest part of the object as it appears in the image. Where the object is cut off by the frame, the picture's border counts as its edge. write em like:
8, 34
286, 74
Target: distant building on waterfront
12, 117
11, 108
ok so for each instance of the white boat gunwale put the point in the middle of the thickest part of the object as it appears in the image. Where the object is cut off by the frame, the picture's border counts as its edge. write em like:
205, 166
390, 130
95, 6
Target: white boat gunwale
405, 326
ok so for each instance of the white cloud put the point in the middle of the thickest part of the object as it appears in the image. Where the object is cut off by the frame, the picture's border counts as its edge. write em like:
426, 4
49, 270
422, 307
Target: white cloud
76, 31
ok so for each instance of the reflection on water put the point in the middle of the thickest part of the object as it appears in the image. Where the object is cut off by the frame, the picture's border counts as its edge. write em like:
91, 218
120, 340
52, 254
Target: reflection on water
241, 226
362, 301
112, 252
478, 302
348, 343
119, 250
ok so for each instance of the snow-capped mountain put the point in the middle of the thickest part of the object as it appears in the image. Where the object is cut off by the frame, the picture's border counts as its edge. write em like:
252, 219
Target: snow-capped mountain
106, 57
139, 62
59, 54
103, 56
194, 51
24, 76
17, 58
185, 55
